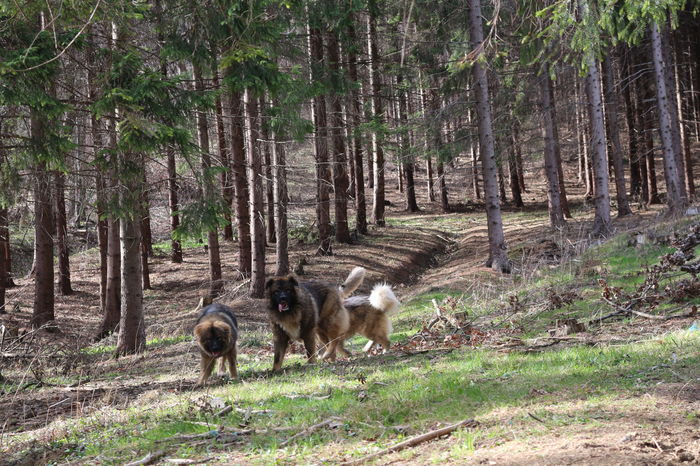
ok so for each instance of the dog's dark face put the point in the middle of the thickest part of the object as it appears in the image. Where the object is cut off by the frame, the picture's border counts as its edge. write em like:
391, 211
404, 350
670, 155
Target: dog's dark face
282, 293
214, 337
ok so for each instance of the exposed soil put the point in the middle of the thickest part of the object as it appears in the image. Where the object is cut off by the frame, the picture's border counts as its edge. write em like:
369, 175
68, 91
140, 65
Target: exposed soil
412, 259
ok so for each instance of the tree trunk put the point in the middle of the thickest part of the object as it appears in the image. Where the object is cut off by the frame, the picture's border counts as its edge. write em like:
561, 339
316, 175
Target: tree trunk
43, 312
280, 202
556, 213
216, 283
513, 169
132, 331
601, 222
611, 110
636, 187
406, 156
4, 238
226, 182
146, 235
323, 174
240, 180
255, 174
269, 185
473, 151
340, 162
64, 282
498, 259
356, 112
143, 212
675, 195
501, 183
174, 207
4, 252
102, 242
556, 149
683, 124
377, 114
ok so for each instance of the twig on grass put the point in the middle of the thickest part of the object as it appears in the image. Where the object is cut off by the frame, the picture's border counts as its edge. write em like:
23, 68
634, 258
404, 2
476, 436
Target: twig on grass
148, 459
310, 429
187, 460
412, 442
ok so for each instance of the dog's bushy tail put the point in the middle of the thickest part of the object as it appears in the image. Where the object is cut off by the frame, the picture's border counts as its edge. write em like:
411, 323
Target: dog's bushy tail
383, 298
353, 282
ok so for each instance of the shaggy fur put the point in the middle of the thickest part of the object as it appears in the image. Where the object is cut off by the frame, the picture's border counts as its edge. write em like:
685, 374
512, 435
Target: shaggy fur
369, 316
216, 333
300, 311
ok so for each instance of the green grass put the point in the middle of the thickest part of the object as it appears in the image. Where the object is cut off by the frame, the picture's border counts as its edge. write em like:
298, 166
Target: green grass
397, 391
165, 247
152, 343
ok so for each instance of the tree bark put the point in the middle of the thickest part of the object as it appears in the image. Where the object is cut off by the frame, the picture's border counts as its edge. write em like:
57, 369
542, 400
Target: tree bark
144, 219
556, 213
675, 195
601, 222
683, 126
43, 311
356, 112
513, 169
377, 114
4, 238
406, 157
474, 152
240, 180
498, 259
280, 203
226, 182
266, 148
64, 282
132, 331
323, 175
556, 149
340, 162
628, 89
255, 181
611, 113
216, 282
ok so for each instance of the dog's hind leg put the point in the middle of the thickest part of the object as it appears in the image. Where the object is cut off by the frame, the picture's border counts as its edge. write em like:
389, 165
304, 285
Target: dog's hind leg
310, 345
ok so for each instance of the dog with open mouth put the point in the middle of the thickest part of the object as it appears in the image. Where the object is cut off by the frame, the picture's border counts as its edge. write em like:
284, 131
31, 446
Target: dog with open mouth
303, 310
216, 332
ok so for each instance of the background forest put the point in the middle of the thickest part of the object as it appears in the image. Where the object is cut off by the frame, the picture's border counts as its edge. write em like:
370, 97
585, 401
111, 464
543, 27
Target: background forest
156, 151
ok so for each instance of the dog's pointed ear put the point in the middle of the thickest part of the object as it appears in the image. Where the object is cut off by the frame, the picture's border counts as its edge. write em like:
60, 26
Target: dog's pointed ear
293, 280
269, 282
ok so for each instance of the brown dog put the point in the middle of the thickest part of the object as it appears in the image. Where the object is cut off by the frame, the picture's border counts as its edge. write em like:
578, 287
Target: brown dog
369, 316
298, 311
216, 333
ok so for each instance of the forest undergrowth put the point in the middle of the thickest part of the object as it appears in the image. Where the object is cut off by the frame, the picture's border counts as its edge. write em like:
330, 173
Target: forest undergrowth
586, 351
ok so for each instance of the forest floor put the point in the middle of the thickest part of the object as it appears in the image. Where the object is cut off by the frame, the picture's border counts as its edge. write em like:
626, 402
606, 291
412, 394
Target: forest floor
623, 391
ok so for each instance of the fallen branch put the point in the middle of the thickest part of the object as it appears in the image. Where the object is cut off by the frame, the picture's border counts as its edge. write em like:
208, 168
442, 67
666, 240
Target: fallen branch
310, 429
224, 411
187, 460
148, 459
412, 442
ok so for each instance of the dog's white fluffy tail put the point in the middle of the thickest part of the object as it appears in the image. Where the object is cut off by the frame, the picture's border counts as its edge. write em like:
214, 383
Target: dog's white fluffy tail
383, 298
353, 282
